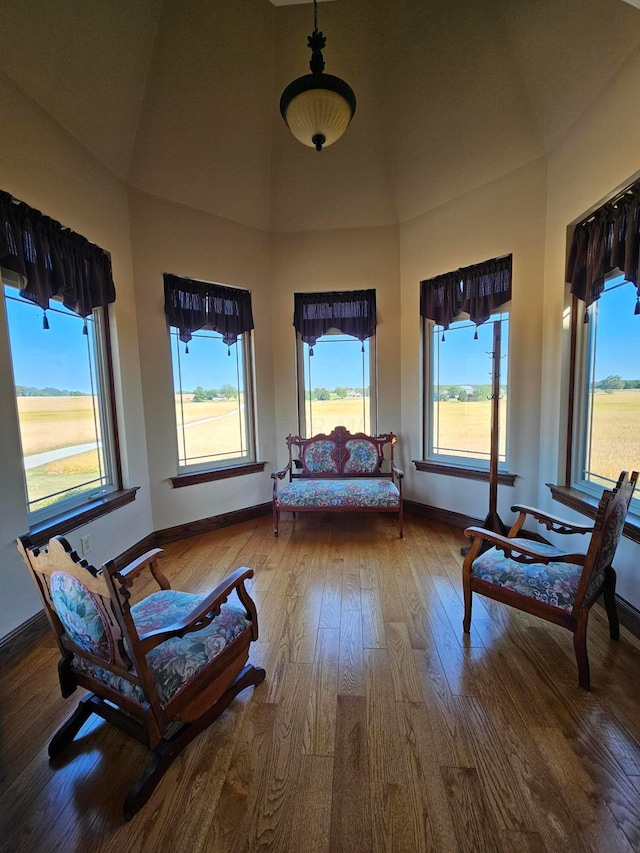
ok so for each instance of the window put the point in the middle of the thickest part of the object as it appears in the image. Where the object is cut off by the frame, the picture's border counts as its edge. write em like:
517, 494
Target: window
335, 384
63, 403
604, 389
465, 341
458, 372
607, 390
336, 360
214, 410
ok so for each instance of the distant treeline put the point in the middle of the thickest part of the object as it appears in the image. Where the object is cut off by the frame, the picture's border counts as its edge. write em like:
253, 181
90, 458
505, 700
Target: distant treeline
616, 383
24, 391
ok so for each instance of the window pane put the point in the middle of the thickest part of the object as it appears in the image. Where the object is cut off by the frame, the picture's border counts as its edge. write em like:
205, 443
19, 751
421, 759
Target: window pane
612, 439
337, 385
461, 389
59, 406
211, 400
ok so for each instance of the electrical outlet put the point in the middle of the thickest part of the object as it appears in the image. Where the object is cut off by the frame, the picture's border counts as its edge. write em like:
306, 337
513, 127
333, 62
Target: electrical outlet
85, 544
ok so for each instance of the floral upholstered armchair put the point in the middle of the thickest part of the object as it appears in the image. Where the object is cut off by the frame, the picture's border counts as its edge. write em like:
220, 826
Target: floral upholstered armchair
544, 580
162, 669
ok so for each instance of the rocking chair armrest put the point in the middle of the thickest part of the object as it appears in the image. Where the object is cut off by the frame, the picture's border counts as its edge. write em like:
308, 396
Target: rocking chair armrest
517, 551
205, 611
551, 522
150, 559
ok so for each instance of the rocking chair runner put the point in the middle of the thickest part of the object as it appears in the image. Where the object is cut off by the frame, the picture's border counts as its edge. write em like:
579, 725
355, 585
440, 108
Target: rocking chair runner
543, 580
162, 670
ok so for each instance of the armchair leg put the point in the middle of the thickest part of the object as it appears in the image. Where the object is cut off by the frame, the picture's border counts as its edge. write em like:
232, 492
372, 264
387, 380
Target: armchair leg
466, 621
169, 749
276, 521
580, 648
70, 728
609, 596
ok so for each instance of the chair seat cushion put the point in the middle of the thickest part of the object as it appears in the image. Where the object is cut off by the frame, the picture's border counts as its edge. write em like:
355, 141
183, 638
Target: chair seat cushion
174, 663
555, 584
361, 492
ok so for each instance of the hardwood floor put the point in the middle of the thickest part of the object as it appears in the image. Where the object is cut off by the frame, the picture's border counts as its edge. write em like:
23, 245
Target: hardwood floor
379, 726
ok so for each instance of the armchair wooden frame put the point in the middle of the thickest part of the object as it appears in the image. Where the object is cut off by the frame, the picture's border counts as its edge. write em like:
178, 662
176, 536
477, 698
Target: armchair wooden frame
596, 575
165, 727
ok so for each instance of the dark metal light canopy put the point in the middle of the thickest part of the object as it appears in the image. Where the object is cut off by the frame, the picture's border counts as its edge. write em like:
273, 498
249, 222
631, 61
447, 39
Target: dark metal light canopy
317, 107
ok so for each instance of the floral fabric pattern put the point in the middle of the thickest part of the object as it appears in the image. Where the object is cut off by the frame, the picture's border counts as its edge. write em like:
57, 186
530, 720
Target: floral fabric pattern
80, 615
340, 493
318, 459
556, 583
174, 663
363, 457
608, 544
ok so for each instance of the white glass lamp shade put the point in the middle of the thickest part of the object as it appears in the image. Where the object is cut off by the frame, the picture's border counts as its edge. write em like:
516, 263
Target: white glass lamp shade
318, 108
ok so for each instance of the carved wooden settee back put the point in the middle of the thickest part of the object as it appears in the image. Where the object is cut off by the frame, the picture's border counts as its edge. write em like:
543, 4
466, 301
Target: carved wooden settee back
339, 454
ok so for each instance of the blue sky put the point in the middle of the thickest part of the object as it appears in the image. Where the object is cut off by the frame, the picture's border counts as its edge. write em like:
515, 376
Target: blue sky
207, 363
52, 357
55, 357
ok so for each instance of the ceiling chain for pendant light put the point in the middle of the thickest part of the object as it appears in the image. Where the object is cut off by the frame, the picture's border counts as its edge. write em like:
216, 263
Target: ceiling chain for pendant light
317, 107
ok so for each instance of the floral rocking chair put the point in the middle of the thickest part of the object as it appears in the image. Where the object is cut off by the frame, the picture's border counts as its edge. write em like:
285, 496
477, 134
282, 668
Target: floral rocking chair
162, 670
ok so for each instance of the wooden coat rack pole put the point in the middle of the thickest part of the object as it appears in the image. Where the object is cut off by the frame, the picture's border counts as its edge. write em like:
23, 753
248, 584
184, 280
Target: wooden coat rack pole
493, 521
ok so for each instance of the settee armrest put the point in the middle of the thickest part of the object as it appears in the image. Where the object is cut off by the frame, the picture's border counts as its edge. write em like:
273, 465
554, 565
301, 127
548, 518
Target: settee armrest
280, 475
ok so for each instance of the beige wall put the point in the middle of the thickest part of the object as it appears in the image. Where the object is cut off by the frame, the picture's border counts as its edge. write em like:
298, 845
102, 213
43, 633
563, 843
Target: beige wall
485, 223
598, 156
348, 259
459, 164
168, 237
45, 167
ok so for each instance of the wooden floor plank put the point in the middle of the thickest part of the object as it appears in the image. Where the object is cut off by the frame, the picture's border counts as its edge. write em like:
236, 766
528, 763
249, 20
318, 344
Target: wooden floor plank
380, 725
351, 830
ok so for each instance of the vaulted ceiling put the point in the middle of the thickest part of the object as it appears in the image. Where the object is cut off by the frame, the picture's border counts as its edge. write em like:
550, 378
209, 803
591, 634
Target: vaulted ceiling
180, 98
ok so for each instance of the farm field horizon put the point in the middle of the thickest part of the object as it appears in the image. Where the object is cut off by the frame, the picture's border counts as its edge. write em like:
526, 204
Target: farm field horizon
52, 423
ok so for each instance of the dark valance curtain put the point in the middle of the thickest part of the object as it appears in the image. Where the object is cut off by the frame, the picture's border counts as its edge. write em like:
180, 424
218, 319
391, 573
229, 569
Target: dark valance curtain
608, 240
352, 312
191, 305
476, 290
53, 260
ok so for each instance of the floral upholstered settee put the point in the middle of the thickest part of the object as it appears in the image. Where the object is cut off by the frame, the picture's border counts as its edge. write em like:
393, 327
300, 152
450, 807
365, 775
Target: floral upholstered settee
339, 472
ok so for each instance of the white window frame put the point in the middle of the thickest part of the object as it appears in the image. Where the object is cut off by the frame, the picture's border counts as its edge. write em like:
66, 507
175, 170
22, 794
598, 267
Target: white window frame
245, 342
585, 335
112, 478
301, 388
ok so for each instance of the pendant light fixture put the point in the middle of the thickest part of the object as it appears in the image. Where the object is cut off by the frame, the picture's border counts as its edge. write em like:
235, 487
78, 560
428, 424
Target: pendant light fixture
317, 107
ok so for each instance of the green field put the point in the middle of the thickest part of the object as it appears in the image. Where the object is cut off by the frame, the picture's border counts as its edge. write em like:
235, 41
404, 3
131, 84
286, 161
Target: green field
49, 423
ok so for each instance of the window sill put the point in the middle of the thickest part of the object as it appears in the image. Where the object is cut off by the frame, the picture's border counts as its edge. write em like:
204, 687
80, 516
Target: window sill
588, 505
196, 477
39, 534
504, 478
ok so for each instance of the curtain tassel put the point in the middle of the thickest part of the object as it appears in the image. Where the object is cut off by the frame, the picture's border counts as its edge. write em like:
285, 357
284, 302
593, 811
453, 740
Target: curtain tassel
475, 337
186, 349
85, 330
228, 350
443, 337
362, 346
45, 320
310, 350
637, 311
586, 315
